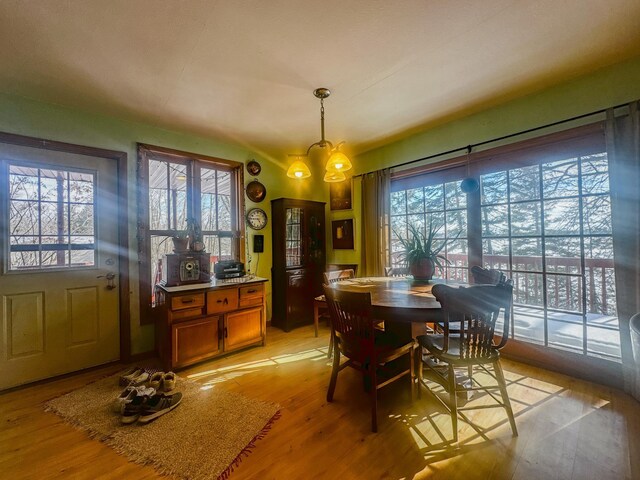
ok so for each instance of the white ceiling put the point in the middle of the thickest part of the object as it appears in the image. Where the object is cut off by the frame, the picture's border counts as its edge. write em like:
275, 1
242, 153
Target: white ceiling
244, 70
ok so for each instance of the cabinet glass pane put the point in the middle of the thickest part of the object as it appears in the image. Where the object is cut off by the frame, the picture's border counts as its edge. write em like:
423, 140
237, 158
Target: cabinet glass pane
293, 238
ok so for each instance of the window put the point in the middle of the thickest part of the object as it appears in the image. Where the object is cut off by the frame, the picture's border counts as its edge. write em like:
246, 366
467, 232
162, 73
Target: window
543, 216
178, 188
444, 207
51, 218
549, 227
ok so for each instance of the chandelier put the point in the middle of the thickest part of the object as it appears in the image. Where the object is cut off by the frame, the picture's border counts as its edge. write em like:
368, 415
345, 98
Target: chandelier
338, 162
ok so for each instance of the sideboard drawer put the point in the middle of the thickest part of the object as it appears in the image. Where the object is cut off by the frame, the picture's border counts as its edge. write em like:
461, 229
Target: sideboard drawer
193, 300
219, 301
251, 295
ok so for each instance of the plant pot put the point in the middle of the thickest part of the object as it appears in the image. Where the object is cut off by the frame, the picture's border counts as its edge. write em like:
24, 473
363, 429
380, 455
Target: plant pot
180, 244
423, 269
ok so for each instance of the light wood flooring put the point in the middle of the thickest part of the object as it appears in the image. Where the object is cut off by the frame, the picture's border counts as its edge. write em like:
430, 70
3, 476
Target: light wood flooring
569, 429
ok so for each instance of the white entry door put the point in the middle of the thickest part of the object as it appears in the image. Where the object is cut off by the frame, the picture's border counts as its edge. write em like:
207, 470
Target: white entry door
59, 229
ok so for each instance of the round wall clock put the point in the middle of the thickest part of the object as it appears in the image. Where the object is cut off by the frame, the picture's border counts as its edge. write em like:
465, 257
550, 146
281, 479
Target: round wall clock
257, 218
253, 167
256, 192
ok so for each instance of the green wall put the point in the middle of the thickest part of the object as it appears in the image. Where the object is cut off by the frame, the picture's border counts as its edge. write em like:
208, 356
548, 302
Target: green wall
607, 87
27, 117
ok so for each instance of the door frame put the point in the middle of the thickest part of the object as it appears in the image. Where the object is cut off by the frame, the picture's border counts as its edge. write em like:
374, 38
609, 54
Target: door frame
123, 231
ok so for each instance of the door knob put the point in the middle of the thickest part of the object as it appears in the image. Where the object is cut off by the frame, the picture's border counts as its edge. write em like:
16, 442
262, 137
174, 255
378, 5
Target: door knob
110, 280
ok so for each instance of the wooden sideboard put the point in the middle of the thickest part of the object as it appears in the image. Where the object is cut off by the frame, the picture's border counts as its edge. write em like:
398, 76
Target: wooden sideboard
199, 322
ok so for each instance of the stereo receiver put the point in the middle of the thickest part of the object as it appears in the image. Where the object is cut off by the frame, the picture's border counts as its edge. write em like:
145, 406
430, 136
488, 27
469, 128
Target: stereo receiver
228, 269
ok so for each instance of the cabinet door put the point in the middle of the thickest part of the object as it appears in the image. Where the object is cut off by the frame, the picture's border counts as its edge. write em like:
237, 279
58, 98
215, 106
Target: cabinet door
194, 340
300, 294
243, 328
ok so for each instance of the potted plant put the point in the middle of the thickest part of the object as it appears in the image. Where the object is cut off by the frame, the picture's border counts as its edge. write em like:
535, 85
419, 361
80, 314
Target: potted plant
180, 241
420, 255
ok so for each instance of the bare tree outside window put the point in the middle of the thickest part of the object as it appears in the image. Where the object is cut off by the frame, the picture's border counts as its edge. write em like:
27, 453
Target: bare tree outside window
51, 218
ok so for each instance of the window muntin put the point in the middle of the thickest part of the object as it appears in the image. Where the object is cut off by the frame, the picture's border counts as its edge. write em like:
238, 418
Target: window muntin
51, 218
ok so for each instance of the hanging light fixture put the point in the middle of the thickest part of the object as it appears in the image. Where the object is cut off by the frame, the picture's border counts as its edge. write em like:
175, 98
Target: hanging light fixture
298, 169
338, 162
469, 184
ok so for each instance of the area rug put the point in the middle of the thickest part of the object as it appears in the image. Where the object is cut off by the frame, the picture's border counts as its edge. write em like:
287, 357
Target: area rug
205, 437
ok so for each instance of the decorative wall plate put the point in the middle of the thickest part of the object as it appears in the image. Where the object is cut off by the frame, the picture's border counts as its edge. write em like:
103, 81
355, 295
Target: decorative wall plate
253, 168
256, 192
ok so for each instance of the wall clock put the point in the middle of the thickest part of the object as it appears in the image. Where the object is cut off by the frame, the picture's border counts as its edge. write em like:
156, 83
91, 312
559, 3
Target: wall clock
257, 218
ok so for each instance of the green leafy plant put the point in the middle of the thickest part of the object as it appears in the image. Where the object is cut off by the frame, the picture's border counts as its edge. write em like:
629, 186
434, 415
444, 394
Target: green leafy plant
418, 246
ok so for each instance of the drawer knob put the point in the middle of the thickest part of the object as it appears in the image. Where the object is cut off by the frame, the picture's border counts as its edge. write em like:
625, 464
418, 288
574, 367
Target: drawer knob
252, 291
225, 301
187, 300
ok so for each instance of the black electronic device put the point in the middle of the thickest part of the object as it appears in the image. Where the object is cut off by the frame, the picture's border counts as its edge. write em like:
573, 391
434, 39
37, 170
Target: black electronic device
228, 269
258, 243
185, 268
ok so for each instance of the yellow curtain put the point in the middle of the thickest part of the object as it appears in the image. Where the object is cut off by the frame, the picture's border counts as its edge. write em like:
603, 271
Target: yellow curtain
623, 151
375, 223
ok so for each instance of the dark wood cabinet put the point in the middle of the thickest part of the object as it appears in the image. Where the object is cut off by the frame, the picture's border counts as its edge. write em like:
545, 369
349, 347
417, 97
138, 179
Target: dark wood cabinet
298, 260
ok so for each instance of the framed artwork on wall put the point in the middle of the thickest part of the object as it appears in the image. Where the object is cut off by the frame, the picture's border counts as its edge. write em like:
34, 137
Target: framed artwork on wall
342, 234
340, 195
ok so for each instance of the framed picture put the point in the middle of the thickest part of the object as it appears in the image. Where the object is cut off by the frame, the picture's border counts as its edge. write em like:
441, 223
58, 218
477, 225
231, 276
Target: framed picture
342, 234
340, 195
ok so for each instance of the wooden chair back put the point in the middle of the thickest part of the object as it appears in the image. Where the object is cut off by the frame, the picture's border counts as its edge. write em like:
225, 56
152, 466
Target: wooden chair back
396, 271
337, 275
475, 311
487, 275
351, 322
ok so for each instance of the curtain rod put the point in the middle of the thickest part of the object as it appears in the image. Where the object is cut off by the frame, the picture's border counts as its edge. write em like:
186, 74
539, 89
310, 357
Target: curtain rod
497, 139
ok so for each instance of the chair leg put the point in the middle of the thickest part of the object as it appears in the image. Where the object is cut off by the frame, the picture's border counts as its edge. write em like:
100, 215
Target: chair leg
316, 316
412, 375
331, 340
374, 396
417, 360
334, 375
505, 396
453, 402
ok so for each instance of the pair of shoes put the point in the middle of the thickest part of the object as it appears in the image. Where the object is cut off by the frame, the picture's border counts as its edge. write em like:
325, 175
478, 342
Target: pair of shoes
163, 381
128, 394
144, 408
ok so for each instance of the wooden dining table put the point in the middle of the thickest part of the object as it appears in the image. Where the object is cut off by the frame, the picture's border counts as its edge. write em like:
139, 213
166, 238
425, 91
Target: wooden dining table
405, 305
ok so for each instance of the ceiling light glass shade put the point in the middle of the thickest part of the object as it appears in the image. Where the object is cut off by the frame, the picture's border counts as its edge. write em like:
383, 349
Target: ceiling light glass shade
338, 162
332, 177
298, 169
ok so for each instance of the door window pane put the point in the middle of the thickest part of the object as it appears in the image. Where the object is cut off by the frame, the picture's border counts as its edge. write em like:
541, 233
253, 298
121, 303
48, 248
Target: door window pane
51, 218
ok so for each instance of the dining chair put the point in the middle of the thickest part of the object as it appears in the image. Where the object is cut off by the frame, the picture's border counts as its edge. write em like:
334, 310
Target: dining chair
396, 271
487, 275
377, 354
469, 343
320, 309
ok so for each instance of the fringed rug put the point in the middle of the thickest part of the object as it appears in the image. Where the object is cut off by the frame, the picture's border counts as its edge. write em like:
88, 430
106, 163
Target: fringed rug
205, 437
